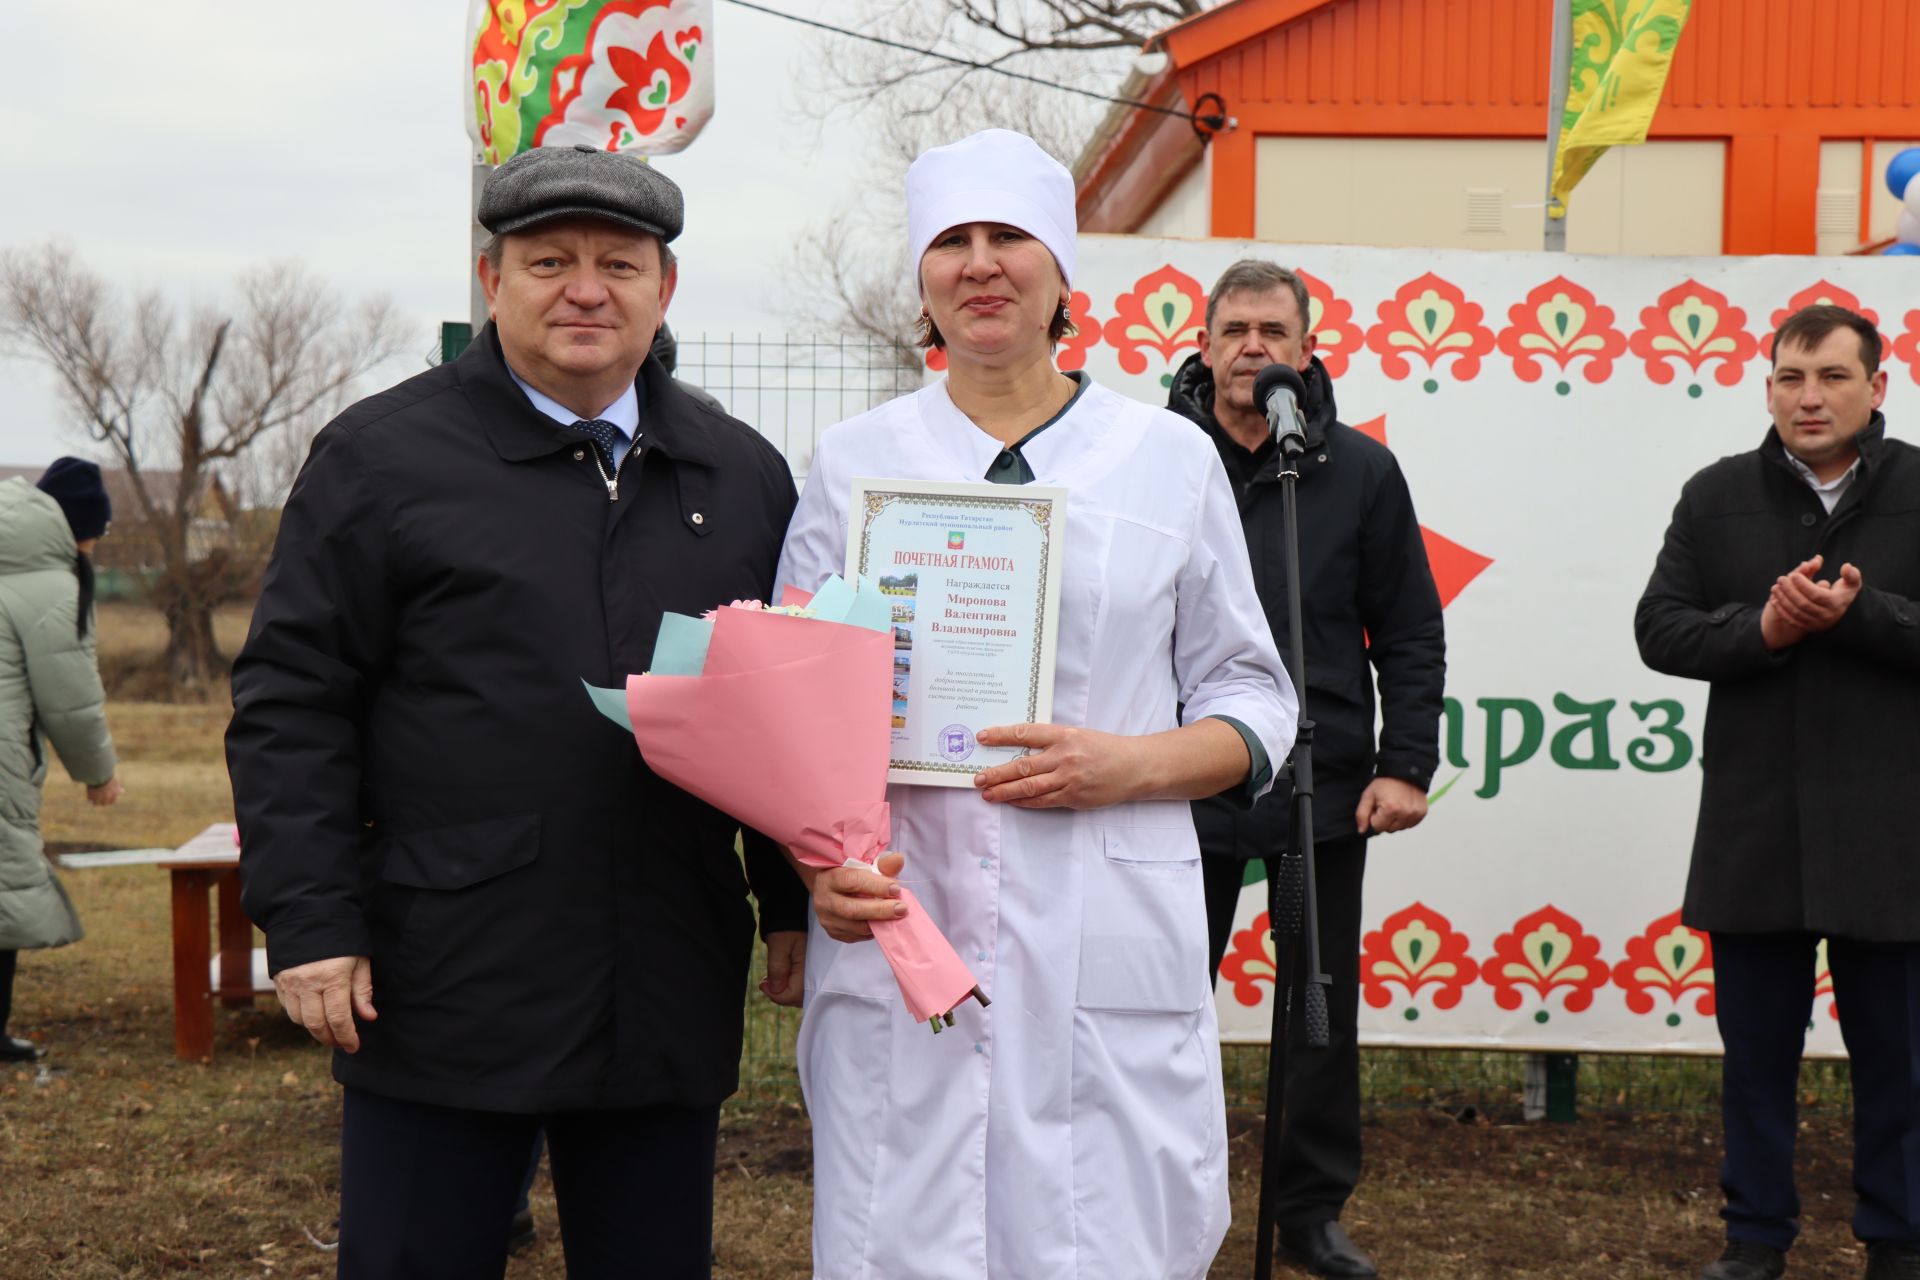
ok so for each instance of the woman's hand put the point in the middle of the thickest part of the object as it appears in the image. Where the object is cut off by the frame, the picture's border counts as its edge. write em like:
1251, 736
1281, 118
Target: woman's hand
848, 899
1066, 768
786, 980
106, 793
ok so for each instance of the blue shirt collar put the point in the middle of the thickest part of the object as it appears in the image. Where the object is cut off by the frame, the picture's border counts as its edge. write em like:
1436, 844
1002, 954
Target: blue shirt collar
623, 413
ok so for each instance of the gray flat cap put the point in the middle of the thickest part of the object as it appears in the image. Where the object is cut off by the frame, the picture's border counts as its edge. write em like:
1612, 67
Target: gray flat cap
579, 182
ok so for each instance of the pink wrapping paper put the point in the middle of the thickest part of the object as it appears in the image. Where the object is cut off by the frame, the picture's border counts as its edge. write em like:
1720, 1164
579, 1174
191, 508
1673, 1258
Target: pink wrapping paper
788, 730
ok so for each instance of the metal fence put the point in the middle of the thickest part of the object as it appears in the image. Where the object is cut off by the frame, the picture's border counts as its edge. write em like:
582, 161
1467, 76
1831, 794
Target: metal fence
791, 389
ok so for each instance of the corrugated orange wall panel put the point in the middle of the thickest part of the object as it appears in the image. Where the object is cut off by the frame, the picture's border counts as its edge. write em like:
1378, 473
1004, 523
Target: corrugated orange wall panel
1772, 77
1755, 54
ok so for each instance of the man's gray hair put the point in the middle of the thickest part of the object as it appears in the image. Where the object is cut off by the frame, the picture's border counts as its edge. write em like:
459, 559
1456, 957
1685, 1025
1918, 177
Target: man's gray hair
496, 247
1257, 275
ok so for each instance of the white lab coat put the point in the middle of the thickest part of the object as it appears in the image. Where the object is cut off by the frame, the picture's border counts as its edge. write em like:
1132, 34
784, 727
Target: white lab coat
1077, 1127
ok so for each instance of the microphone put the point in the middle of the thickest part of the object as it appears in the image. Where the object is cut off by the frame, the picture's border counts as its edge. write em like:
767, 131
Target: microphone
1278, 389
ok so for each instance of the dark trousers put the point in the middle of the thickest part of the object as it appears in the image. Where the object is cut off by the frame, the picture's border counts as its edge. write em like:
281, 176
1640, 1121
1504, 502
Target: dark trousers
1319, 1156
426, 1193
1763, 998
9, 960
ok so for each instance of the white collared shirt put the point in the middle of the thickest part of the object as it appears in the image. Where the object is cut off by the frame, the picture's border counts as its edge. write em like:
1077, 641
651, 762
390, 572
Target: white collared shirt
1830, 491
623, 414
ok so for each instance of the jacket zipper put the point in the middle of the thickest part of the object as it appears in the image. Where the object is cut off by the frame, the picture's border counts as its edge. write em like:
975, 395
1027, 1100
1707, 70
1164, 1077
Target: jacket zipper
611, 481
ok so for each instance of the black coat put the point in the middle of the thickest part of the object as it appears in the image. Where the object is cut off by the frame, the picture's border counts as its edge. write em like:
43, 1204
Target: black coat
1811, 754
420, 777
1369, 605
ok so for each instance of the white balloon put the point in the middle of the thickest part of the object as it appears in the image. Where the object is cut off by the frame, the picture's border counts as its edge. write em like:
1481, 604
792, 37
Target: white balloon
1907, 230
1912, 197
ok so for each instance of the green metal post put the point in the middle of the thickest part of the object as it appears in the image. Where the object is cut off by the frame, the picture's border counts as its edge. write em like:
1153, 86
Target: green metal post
1563, 1072
455, 335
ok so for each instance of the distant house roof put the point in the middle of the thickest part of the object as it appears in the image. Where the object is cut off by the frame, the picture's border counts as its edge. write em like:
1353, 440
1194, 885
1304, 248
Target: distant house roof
162, 486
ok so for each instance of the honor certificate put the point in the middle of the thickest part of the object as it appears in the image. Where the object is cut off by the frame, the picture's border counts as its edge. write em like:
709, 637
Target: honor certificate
974, 575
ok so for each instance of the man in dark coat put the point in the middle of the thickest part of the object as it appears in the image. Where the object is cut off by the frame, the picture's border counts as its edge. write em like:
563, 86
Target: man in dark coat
471, 885
1369, 604
1789, 579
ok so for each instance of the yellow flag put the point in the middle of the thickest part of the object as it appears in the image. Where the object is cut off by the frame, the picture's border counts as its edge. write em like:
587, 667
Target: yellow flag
1621, 52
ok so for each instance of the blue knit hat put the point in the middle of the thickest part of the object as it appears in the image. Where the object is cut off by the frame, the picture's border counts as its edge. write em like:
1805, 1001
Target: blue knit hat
75, 484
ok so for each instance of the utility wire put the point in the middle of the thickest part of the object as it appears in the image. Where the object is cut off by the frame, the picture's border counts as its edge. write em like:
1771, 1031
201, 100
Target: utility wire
1213, 122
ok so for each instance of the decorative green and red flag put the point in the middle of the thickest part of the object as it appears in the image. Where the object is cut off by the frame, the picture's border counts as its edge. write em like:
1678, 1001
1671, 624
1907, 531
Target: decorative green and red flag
623, 75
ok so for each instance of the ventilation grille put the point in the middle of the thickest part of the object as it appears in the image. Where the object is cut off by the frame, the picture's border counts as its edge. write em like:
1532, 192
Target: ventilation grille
1486, 210
1839, 212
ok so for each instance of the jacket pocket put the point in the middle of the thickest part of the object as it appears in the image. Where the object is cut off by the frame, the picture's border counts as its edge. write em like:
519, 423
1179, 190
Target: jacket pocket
1143, 927
462, 855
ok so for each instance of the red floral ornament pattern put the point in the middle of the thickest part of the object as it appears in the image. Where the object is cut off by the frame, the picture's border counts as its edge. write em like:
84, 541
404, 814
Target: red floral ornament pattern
1165, 312
1560, 321
1335, 339
1430, 318
1669, 958
1907, 346
1250, 961
1073, 350
1822, 294
1695, 324
1547, 951
652, 84
1414, 948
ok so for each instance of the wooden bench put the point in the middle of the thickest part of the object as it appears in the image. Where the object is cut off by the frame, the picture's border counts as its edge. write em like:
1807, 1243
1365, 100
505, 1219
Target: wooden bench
236, 972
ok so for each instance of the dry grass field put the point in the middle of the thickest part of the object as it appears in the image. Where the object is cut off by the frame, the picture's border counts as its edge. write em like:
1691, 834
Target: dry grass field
121, 1162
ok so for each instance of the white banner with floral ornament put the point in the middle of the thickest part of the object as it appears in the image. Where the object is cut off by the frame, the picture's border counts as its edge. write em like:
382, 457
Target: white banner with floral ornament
1546, 410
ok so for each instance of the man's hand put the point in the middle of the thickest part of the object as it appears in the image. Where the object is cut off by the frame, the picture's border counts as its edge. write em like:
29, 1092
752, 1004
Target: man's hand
1064, 768
1811, 605
1775, 631
1389, 804
325, 997
106, 793
785, 982
848, 899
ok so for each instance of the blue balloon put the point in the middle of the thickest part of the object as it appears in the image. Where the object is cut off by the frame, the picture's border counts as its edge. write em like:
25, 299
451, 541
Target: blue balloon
1901, 250
1900, 171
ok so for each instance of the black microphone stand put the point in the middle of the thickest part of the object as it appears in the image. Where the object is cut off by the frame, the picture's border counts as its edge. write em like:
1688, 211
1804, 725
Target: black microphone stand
1293, 914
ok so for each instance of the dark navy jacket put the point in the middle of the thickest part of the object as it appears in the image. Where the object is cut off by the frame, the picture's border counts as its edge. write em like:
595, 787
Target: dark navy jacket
1369, 604
420, 778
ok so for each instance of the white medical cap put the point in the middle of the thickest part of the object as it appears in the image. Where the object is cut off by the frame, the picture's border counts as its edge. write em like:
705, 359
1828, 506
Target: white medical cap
996, 175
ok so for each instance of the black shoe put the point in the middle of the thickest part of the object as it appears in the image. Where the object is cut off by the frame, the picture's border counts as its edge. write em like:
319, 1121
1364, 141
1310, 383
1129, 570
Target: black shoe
1325, 1249
522, 1233
14, 1049
1887, 1261
1747, 1260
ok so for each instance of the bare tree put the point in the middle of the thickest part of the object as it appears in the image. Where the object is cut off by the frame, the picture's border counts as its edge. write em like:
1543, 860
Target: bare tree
1048, 39
910, 101
234, 390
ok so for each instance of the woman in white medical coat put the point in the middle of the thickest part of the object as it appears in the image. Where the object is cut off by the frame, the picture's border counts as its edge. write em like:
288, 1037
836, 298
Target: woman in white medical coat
1076, 1127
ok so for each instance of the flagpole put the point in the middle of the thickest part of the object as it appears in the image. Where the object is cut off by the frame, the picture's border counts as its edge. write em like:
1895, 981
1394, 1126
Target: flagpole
1559, 66
476, 296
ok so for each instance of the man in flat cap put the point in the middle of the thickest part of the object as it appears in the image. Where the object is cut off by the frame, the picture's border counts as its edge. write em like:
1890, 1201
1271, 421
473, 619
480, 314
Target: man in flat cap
472, 888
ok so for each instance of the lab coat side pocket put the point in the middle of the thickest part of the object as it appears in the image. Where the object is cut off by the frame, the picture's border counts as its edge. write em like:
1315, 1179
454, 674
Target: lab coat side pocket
1143, 928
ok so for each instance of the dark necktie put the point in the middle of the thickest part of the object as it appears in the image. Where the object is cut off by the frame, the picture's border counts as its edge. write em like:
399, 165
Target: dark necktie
605, 435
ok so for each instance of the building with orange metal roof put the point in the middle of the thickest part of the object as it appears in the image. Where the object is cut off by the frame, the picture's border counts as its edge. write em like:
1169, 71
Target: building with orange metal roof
1423, 123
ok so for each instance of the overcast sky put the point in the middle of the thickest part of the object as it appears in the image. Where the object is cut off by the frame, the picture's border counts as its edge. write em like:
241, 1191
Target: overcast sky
174, 145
